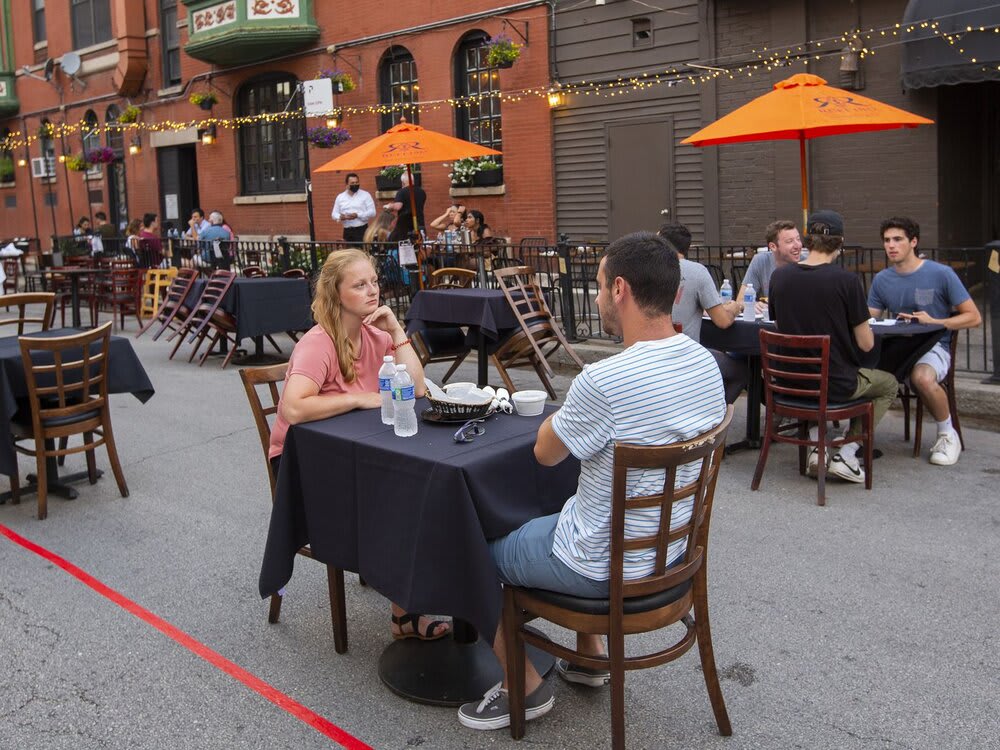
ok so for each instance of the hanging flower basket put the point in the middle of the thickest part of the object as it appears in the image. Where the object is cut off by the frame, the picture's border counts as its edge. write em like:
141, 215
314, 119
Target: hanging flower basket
502, 52
342, 82
324, 137
77, 163
100, 156
204, 99
130, 114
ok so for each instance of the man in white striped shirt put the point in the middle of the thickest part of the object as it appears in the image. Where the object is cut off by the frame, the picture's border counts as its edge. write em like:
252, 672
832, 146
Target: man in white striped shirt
663, 388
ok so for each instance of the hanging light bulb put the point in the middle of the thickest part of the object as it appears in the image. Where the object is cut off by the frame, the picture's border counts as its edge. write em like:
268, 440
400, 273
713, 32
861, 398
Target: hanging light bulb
135, 147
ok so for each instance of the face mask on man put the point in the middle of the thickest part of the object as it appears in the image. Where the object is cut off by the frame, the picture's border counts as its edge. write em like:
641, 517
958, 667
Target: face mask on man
354, 188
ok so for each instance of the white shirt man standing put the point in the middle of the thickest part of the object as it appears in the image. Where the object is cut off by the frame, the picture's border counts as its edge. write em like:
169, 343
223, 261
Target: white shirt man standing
354, 208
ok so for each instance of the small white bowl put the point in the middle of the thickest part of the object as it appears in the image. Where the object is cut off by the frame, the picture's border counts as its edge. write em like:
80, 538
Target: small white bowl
529, 403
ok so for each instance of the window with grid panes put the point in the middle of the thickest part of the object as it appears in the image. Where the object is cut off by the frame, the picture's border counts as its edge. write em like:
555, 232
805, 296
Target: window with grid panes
398, 86
91, 22
272, 152
170, 43
6, 160
114, 137
479, 120
38, 20
91, 139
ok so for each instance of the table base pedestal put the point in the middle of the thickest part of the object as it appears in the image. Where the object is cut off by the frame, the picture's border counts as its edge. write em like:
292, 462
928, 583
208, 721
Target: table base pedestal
446, 672
57, 487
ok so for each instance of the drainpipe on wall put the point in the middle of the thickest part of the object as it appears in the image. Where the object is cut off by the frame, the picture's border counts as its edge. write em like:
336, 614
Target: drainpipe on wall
129, 19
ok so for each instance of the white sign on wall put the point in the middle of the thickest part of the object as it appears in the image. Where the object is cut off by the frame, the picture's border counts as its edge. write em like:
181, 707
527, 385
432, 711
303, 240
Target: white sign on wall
318, 97
3, 88
270, 9
170, 206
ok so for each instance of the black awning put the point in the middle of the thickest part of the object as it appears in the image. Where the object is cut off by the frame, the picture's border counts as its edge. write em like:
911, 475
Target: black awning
930, 60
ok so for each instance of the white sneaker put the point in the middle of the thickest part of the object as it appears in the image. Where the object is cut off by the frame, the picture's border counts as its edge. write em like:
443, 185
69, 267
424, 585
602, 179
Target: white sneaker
946, 450
845, 467
812, 463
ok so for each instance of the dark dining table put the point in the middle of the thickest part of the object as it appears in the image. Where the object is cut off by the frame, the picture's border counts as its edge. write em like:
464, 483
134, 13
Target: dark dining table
897, 348
125, 375
262, 306
74, 274
486, 312
413, 516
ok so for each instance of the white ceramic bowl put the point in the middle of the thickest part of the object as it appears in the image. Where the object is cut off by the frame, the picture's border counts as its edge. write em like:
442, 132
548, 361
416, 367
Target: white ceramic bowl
529, 403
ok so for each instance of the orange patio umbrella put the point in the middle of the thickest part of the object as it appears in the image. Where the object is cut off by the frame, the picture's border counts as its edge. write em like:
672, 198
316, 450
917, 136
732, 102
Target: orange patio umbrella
406, 144
802, 107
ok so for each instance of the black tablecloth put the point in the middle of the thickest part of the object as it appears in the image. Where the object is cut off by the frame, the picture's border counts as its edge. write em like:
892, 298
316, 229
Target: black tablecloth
486, 309
897, 347
263, 305
411, 515
125, 375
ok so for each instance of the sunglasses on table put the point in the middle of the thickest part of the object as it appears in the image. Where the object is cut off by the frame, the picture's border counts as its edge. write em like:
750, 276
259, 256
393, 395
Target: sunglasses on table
470, 431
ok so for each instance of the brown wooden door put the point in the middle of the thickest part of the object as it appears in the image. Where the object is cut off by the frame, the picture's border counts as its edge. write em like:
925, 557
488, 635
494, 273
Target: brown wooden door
640, 175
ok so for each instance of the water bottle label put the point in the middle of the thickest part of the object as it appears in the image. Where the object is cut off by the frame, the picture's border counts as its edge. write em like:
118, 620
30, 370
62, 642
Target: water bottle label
385, 384
403, 394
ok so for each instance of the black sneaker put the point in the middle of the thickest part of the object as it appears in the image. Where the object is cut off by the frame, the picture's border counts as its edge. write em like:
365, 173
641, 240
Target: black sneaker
493, 711
582, 675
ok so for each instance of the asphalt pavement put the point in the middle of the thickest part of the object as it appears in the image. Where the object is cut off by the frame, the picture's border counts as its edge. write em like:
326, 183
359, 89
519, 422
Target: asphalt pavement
870, 623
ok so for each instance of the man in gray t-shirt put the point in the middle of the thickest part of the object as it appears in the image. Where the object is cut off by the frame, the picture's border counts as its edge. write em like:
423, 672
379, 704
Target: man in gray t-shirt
784, 246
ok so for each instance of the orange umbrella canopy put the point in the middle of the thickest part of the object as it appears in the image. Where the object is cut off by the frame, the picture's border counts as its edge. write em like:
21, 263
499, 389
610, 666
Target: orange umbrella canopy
803, 106
405, 144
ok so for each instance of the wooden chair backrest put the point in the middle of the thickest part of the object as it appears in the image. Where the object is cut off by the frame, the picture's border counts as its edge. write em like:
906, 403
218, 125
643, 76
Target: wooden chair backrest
66, 375
708, 449
523, 293
253, 272
11, 269
21, 301
452, 278
295, 273
795, 367
264, 376
216, 287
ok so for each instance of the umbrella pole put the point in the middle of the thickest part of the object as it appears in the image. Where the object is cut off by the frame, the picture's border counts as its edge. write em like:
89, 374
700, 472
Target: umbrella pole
805, 182
418, 240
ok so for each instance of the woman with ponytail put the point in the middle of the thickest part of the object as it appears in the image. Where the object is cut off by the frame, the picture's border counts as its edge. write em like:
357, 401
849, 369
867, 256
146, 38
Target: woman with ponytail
334, 369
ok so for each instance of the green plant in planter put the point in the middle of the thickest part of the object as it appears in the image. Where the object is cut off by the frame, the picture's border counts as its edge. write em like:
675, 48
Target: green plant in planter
342, 82
463, 170
77, 163
203, 99
130, 114
393, 172
501, 51
6, 168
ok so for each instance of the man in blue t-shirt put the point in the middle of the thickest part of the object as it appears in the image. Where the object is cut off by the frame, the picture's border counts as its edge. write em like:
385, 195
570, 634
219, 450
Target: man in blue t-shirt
916, 289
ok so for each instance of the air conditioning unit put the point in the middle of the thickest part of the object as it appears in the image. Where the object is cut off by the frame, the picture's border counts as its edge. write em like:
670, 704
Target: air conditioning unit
43, 166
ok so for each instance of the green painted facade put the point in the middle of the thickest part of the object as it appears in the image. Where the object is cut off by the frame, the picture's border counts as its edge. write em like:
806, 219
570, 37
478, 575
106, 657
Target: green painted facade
9, 105
230, 32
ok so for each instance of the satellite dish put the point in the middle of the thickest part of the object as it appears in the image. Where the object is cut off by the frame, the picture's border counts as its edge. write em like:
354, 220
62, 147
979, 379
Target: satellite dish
50, 65
70, 63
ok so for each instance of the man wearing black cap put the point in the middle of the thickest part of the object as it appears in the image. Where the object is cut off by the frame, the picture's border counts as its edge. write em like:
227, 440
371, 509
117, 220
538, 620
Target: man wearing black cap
815, 298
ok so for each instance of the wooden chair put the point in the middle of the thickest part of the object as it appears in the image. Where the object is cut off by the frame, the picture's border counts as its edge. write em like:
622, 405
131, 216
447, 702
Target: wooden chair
172, 311
119, 291
253, 272
906, 395
154, 288
796, 384
295, 273
444, 344
538, 335
667, 595
271, 377
195, 325
21, 302
12, 271
68, 393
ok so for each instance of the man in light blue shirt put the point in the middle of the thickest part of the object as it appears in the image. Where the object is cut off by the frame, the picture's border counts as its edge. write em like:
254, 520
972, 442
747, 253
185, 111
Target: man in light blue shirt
663, 388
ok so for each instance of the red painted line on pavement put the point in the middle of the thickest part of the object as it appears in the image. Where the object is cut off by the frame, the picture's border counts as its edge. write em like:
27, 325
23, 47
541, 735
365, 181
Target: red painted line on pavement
296, 709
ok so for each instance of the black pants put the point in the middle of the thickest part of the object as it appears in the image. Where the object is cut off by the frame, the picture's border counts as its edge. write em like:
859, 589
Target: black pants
355, 235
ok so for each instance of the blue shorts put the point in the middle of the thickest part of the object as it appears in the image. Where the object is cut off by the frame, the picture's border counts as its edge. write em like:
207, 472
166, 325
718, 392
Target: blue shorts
525, 558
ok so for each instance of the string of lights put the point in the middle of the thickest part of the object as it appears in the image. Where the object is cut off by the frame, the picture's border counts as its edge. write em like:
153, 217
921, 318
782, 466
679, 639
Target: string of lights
863, 43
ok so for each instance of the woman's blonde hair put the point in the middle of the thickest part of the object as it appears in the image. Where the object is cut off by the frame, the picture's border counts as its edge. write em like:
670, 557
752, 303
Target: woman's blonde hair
326, 309
380, 229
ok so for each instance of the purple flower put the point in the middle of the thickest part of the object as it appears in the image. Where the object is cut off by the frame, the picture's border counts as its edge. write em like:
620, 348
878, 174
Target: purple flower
324, 137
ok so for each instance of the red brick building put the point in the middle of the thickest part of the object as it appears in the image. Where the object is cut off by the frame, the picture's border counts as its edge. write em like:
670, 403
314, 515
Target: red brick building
83, 71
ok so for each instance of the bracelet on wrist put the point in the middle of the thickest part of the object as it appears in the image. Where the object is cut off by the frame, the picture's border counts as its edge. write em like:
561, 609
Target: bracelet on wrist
401, 344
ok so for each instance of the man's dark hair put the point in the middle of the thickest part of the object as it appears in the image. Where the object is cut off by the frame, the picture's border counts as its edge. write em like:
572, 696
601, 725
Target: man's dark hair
823, 243
83, 220
350, 175
196, 211
678, 235
101, 215
775, 228
910, 228
148, 219
649, 265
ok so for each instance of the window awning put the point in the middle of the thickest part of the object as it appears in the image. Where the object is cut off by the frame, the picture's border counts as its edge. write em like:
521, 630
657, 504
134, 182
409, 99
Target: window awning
929, 59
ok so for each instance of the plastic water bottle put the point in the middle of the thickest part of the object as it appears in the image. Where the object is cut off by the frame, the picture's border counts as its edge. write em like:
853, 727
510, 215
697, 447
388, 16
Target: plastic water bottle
385, 374
726, 292
749, 300
404, 421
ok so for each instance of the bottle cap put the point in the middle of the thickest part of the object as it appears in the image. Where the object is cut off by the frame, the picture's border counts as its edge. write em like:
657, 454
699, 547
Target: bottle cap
387, 358
401, 367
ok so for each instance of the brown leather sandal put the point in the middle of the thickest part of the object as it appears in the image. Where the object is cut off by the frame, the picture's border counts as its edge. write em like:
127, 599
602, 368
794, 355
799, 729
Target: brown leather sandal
412, 619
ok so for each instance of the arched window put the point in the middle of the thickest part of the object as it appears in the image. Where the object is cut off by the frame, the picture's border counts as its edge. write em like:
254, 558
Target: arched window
113, 136
272, 153
479, 121
91, 138
6, 160
397, 85
47, 148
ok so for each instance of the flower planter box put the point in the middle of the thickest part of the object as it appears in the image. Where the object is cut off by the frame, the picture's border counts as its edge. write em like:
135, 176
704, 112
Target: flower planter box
388, 183
488, 178
207, 106
508, 64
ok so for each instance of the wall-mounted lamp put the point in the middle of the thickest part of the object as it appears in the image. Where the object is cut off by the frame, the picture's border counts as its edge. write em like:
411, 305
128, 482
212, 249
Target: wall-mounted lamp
62, 158
207, 135
848, 60
135, 147
556, 97
333, 120
22, 162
